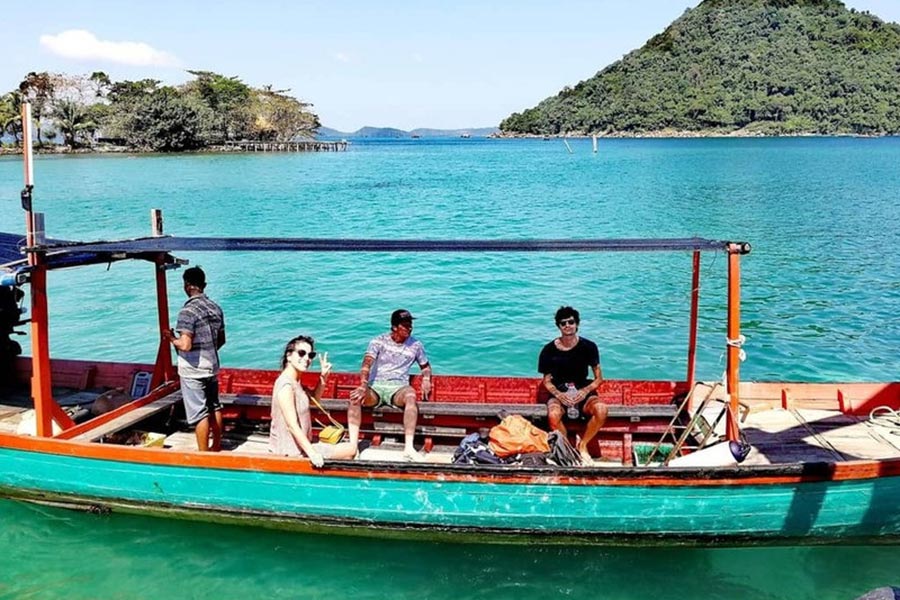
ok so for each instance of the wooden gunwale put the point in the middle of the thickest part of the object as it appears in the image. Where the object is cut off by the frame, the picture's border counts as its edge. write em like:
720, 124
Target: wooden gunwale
105, 418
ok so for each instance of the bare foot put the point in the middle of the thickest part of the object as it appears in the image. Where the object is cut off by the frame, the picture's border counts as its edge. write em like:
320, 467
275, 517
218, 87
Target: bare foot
586, 458
412, 456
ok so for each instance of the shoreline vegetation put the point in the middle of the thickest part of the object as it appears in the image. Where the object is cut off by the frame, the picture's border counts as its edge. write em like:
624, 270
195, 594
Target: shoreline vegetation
675, 134
59, 149
208, 112
739, 68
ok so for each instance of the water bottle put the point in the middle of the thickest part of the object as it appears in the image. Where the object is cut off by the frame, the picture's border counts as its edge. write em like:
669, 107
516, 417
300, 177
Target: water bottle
571, 392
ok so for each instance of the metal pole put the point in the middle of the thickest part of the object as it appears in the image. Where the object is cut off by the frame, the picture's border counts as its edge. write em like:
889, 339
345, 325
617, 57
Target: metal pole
692, 334
163, 370
41, 387
734, 333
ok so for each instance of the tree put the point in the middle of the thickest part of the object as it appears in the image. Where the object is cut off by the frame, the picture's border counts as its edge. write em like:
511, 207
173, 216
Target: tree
101, 82
72, 119
227, 100
37, 88
11, 114
279, 117
124, 99
162, 121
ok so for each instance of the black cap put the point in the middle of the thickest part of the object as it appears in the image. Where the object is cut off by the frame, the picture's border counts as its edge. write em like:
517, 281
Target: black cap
401, 315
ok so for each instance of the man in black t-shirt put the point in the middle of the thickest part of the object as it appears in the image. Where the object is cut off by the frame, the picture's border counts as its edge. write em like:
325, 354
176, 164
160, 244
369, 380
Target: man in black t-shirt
565, 363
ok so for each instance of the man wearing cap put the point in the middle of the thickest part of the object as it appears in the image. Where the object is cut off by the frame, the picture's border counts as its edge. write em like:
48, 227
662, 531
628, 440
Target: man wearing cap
384, 379
201, 332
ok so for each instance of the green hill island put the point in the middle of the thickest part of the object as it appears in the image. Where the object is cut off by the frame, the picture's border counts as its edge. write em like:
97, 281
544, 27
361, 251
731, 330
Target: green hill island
740, 67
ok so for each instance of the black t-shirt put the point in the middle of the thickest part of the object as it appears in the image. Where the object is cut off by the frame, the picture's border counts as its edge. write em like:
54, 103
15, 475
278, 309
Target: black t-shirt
569, 366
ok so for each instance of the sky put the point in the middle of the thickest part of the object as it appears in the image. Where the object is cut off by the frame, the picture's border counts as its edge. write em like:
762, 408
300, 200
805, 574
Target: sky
406, 63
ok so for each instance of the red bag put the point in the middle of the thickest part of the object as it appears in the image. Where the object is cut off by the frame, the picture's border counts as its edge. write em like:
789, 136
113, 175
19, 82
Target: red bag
516, 435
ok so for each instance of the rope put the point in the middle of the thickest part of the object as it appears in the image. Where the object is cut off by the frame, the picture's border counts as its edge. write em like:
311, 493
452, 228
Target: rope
742, 355
886, 418
739, 344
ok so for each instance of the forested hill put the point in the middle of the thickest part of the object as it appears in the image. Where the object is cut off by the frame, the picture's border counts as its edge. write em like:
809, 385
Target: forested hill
754, 66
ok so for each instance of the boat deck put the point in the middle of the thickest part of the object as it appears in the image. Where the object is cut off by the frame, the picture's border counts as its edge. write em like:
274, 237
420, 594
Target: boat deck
777, 435
781, 436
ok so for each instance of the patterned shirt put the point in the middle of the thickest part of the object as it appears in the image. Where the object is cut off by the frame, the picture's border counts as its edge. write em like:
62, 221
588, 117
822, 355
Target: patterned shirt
203, 319
393, 360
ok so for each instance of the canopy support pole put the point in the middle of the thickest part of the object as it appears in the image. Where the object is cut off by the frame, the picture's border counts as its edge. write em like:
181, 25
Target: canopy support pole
692, 334
41, 382
733, 347
162, 371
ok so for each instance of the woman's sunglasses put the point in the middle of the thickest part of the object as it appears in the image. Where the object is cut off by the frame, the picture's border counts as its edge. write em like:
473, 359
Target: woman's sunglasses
302, 353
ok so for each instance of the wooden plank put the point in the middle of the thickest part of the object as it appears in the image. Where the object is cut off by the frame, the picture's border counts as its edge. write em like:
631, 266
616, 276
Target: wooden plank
853, 436
10, 417
239, 442
130, 418
777, 437
471, 409
781, 436
820, 441
397, 428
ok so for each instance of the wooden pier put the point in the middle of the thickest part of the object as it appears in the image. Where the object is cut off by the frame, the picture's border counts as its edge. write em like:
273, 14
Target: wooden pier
301, 146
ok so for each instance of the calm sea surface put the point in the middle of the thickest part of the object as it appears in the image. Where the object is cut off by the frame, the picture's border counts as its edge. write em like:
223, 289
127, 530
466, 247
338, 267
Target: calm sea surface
821, 291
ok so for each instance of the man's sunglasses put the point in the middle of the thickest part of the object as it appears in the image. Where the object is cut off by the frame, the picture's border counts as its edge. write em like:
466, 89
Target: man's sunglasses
566, 322
302, 353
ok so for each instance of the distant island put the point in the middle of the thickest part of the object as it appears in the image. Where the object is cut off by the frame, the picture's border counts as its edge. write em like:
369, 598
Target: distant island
740, 67
390, 132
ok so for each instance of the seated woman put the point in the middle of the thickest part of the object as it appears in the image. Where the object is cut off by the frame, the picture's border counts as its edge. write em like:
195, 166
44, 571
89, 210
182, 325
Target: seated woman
291, 426
565, 362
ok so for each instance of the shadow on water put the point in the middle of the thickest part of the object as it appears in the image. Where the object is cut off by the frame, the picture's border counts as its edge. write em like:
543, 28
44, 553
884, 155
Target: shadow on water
55, 553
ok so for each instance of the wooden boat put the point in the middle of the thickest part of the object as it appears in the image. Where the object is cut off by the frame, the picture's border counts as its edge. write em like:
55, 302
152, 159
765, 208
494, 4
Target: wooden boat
819, 471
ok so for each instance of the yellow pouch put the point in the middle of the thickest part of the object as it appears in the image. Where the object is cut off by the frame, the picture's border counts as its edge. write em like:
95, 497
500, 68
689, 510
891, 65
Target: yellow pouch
332, 434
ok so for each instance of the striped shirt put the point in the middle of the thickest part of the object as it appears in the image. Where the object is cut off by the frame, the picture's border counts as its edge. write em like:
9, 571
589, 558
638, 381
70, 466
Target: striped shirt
204, 320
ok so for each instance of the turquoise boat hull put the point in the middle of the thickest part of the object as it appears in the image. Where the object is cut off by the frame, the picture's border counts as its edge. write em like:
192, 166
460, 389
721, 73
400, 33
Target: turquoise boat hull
748, 504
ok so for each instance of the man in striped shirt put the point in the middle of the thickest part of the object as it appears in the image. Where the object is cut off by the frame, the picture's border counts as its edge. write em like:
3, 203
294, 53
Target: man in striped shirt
201, 332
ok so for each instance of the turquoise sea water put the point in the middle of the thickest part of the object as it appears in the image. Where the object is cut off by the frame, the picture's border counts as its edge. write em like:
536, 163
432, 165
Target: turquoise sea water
821, 291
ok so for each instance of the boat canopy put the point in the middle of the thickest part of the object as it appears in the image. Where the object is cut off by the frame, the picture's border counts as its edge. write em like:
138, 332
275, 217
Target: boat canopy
62, 253
59, 254
10, 248
139, 246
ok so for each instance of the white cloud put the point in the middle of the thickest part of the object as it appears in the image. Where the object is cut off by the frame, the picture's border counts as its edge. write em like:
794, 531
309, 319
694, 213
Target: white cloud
344, 58
84, 45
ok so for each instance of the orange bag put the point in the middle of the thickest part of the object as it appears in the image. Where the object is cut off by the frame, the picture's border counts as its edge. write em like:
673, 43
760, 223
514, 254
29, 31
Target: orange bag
516, 435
